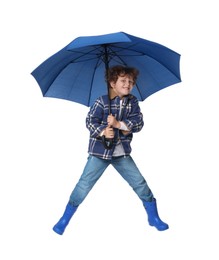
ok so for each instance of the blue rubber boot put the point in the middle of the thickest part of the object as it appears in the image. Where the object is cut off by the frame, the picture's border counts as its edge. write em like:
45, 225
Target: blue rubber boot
153, 217
59, 228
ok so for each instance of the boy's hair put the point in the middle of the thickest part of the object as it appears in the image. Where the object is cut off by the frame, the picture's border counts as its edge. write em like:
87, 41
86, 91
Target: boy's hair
114, 72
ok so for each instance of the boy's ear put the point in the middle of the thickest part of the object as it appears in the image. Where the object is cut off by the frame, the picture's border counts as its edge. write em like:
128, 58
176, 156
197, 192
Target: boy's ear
112, 84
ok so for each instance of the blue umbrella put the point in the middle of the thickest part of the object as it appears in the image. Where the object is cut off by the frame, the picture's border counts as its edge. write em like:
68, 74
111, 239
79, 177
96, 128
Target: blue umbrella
76, 72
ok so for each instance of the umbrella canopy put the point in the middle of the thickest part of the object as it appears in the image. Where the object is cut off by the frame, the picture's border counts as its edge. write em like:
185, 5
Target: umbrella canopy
77, 71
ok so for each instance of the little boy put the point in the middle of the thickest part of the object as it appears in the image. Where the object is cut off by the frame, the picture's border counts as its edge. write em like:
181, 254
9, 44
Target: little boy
124, 120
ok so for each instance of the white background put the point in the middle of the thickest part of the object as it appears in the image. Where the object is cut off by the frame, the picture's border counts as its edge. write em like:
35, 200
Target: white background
43, 141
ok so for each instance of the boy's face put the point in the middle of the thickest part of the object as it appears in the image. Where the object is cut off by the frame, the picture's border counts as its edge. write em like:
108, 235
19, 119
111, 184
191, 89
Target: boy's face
123, 86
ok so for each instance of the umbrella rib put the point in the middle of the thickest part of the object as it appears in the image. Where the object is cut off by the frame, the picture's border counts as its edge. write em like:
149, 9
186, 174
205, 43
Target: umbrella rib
84, 54
140, 54
92, 80
136, 85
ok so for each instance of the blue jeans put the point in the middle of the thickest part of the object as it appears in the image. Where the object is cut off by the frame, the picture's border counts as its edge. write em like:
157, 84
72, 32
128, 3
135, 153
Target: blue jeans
96, 166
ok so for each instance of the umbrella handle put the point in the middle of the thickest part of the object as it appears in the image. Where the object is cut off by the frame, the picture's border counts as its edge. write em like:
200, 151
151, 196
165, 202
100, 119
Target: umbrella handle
107, 142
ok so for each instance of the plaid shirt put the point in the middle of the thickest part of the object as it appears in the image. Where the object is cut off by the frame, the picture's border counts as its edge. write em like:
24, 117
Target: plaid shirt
96, 122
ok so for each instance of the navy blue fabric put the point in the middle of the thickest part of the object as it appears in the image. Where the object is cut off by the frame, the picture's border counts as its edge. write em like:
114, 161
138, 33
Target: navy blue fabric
96, 121
76, 72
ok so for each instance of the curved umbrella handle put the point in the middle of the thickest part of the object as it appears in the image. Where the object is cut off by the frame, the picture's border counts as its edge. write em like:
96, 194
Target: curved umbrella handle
107, 142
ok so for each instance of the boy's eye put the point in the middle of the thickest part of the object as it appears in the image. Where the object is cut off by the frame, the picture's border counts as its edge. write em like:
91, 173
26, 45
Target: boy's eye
124, 81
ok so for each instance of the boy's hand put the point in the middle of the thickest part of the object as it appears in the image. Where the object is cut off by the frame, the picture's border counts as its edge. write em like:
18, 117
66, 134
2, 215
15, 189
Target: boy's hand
111, 120
125, 132
109, 132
